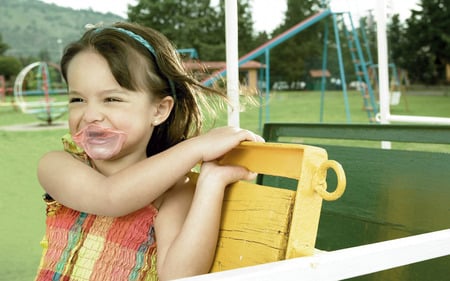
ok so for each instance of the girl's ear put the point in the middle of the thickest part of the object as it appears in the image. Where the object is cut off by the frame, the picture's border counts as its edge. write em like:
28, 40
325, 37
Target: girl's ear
163, 109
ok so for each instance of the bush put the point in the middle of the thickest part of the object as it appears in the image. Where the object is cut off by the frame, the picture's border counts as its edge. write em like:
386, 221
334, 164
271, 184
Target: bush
9, 67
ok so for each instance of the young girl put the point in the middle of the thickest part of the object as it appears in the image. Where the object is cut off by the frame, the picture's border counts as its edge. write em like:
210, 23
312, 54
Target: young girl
121, 203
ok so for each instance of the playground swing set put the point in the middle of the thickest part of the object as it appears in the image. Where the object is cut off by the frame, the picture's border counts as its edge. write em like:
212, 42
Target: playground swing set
360, 55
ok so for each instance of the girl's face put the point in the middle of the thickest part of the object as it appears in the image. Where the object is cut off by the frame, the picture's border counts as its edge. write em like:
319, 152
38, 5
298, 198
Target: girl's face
95, 97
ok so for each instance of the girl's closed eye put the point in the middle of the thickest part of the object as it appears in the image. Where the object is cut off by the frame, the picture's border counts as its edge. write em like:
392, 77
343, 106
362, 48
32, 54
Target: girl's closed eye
75, 100
113, 99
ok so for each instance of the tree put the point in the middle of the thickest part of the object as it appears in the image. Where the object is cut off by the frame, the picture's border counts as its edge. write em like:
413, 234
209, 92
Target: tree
292, 59
44, 55
9, 67
195, 24
428, 42
3, 46
396, 42
188, 23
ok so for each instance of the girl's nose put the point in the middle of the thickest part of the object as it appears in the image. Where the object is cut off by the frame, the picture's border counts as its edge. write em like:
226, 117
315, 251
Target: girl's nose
93, 113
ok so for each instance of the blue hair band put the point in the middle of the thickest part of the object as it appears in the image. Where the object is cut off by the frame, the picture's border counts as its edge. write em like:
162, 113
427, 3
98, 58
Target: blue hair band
136, 37
144, 43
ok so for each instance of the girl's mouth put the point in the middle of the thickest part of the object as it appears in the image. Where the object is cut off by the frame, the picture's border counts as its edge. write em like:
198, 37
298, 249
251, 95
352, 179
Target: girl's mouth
100, 143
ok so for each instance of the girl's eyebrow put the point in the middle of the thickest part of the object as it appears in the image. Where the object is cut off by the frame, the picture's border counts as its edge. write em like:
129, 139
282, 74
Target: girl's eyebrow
72, 92
103, 92
114, 91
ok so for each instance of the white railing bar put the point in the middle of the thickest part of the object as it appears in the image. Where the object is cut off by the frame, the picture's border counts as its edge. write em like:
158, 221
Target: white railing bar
420, 119
345, 263
430, 120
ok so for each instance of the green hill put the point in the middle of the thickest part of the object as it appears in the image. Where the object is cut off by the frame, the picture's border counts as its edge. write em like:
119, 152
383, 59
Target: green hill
30, 27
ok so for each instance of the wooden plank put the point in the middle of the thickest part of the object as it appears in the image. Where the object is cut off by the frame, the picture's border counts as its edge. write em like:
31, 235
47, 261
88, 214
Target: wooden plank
269, 158
255, 226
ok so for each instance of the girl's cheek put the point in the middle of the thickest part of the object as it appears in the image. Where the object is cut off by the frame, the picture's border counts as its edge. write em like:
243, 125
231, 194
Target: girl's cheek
73, 123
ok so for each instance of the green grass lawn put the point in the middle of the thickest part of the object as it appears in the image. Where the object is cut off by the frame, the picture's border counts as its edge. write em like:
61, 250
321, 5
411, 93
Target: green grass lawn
22, 211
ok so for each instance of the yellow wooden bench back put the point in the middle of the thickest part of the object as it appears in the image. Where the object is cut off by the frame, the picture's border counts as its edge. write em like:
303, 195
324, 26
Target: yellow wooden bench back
263, 224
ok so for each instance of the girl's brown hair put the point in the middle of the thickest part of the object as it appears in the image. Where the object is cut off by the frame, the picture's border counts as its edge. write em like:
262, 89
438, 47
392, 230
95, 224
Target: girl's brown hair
136, 68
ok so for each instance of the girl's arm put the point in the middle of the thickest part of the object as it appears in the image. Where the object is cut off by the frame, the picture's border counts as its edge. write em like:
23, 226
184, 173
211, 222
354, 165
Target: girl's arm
187, 243
75, 185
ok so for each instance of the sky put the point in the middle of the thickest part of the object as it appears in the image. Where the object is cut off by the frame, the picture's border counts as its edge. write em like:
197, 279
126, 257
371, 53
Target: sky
267, 14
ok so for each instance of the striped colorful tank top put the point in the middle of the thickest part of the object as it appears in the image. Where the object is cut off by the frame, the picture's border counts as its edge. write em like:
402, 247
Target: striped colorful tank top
81, 246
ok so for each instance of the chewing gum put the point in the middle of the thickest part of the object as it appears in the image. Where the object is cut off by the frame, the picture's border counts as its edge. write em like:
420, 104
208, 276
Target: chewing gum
100, 143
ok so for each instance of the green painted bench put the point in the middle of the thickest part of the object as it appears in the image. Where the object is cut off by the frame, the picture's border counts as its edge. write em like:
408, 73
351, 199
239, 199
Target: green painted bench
391, 193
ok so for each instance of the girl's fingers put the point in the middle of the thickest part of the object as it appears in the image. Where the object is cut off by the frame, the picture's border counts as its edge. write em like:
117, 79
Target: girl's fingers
250, 136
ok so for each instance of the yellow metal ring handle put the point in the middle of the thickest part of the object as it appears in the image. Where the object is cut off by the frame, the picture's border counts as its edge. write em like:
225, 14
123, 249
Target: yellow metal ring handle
321, 188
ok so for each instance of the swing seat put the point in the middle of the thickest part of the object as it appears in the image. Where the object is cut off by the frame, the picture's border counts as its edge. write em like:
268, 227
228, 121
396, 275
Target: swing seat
262, 223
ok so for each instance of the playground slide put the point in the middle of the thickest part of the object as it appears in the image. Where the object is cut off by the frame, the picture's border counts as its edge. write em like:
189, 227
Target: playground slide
272, 43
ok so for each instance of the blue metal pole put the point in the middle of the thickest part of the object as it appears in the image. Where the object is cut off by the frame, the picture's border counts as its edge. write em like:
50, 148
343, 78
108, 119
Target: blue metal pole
366, 41
267, 52
261, 93
364, 67
324, 68
341, 69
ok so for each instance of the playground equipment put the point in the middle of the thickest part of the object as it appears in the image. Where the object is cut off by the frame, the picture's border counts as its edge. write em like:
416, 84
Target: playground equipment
361, 59
358, 59
265, 50
40, 102
360, 56
191, 52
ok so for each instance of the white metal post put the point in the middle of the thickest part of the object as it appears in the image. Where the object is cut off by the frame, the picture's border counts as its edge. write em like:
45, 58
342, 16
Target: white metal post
383, 67
231, 33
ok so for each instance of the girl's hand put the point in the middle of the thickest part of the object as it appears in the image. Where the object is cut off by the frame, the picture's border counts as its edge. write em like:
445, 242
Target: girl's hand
219, 141
212, 174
